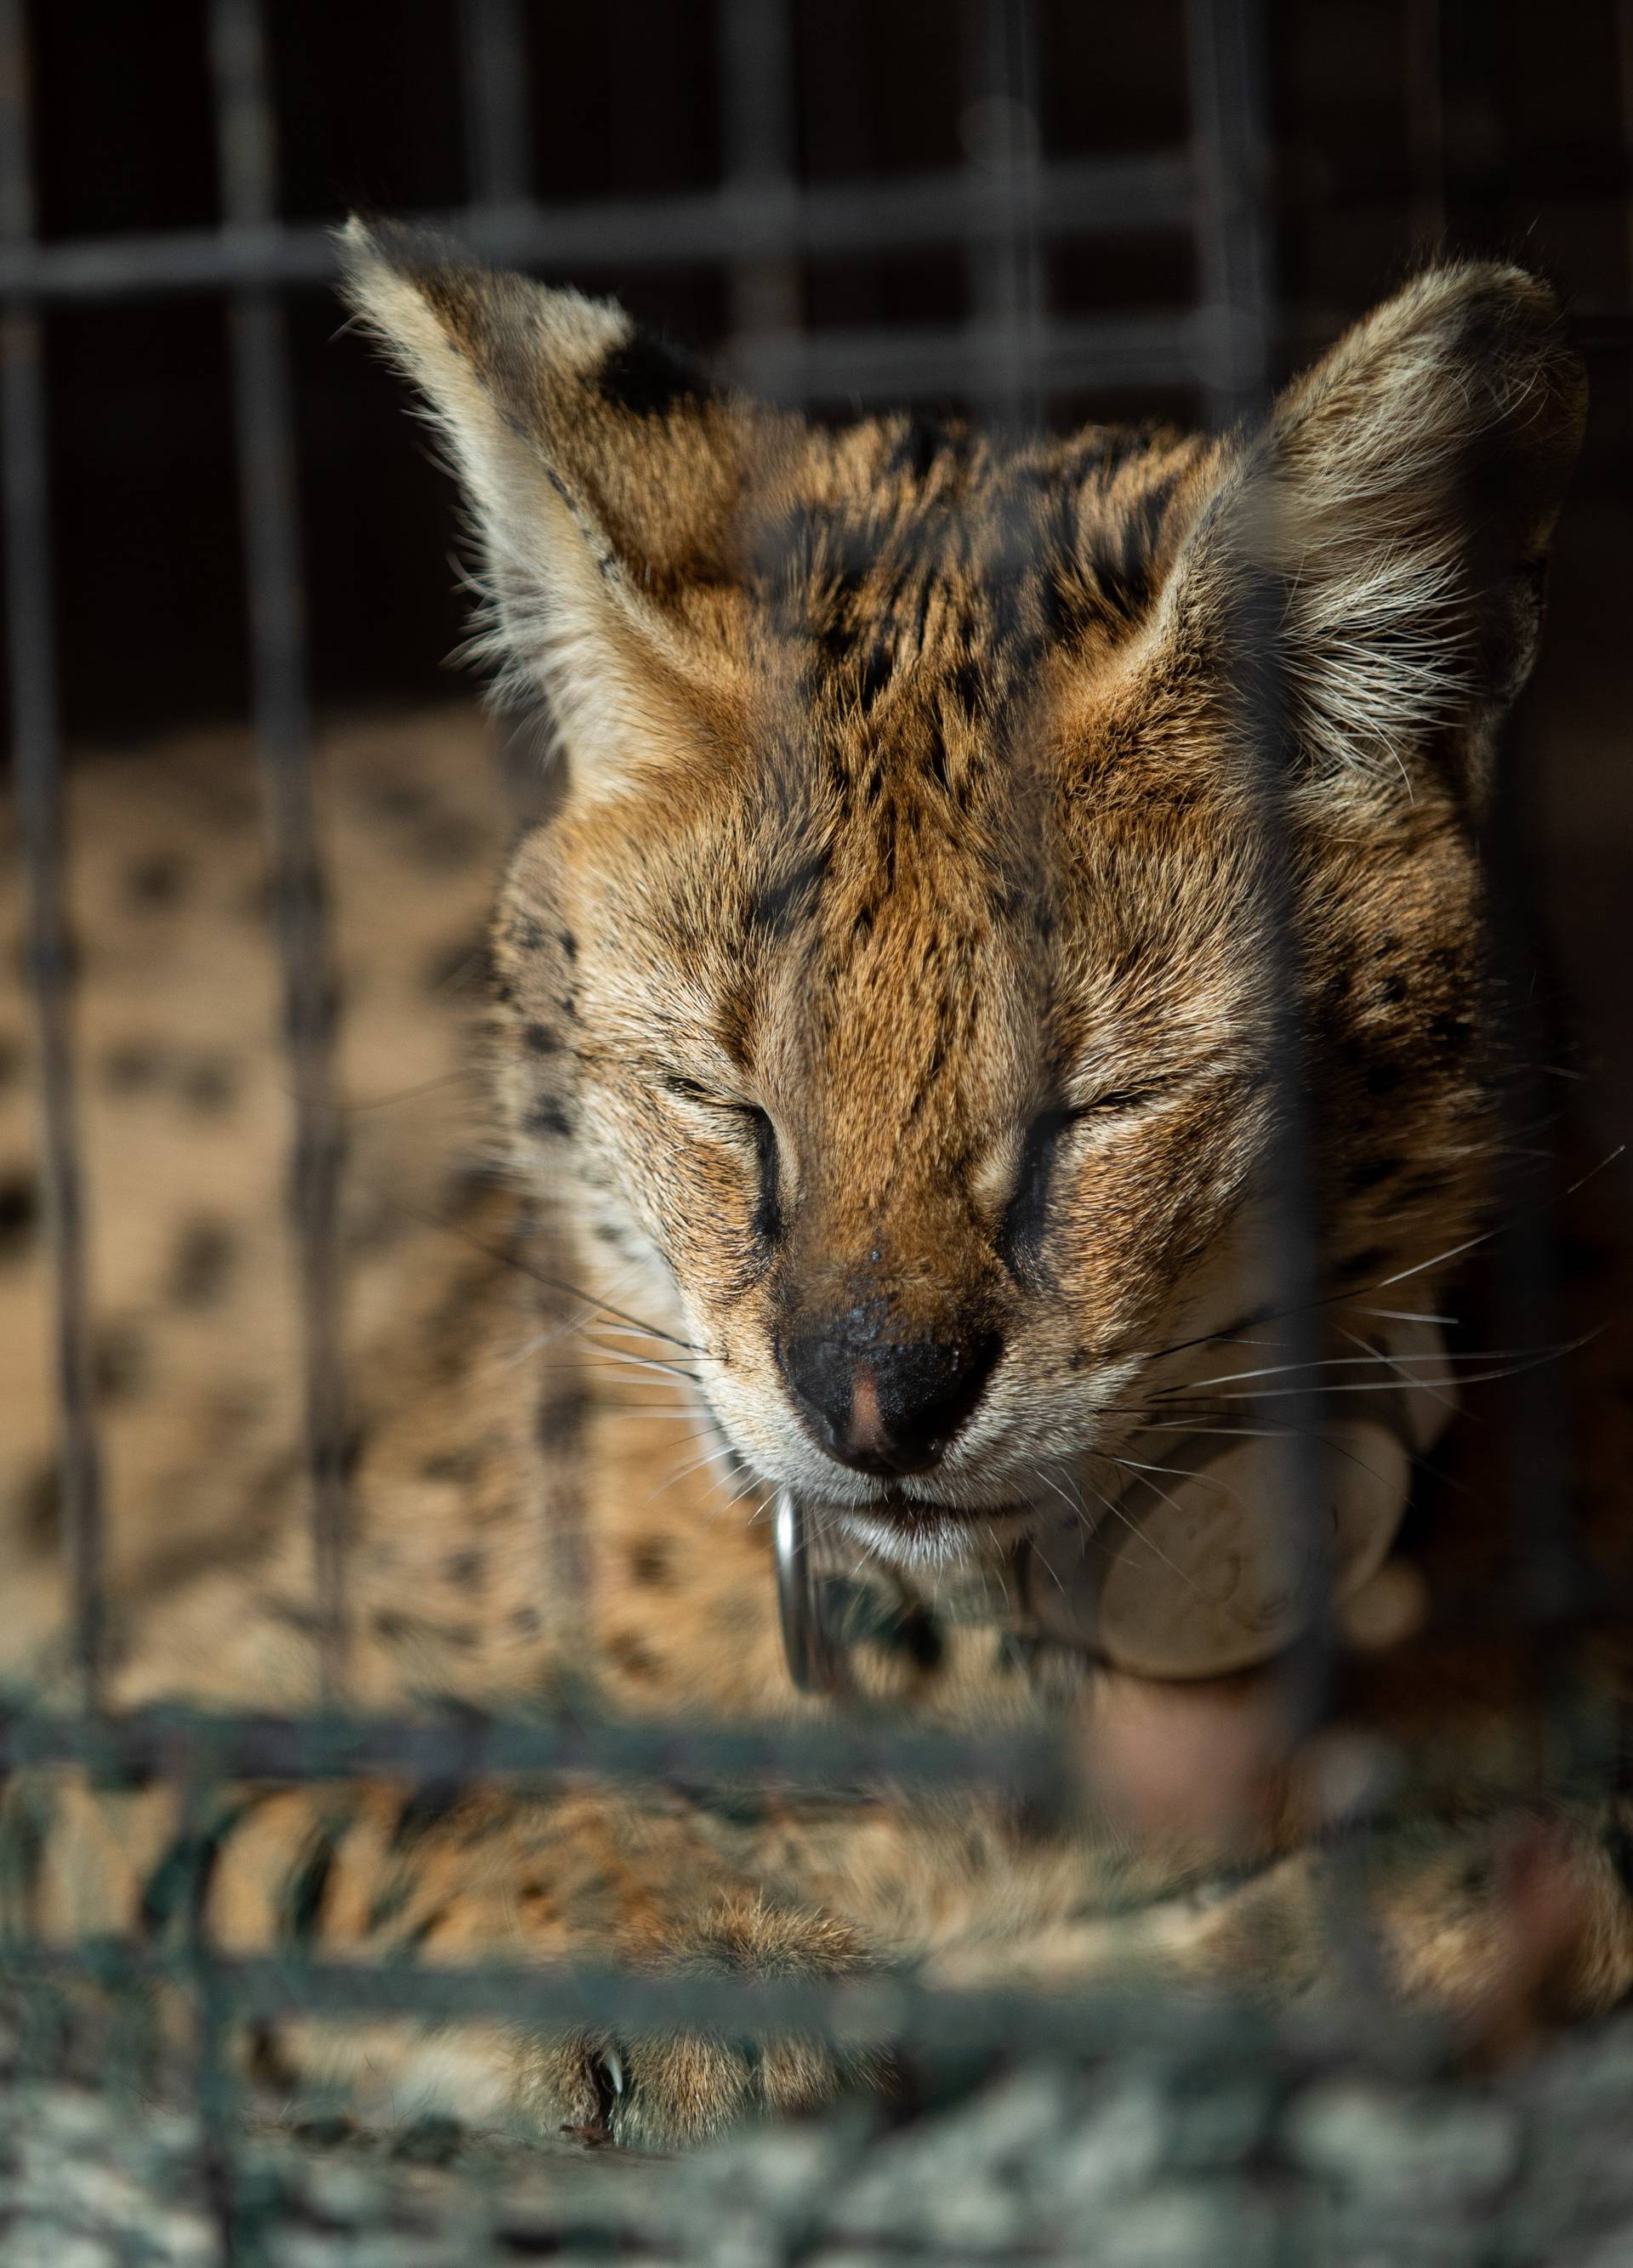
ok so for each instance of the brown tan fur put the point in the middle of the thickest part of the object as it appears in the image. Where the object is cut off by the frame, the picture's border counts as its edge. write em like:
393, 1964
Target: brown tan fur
896, 939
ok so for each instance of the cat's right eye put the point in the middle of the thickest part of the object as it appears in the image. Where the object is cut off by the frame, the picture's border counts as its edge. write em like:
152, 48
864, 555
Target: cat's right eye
681, 1089
745, 1118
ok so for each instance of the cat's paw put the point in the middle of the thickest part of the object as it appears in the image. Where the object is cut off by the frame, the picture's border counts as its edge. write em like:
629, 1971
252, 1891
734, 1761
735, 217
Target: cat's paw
658, 2090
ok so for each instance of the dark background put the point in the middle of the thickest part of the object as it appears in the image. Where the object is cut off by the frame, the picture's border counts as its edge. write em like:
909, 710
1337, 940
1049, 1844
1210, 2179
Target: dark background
1399, 125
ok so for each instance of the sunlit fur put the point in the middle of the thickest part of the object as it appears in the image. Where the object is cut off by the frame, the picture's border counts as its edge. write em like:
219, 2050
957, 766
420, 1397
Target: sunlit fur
913, 790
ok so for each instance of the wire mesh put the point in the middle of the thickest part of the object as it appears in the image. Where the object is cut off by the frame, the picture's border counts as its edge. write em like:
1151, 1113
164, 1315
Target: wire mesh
37, 756
1001, 210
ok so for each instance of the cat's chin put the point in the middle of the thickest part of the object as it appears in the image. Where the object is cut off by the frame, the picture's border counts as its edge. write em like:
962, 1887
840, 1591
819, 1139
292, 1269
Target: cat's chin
926, 1532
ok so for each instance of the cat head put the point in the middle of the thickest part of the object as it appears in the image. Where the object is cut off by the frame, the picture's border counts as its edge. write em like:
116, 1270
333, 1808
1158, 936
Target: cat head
938, 826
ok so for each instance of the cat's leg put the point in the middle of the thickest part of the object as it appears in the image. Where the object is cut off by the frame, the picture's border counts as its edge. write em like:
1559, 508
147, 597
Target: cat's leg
380, 1874
1491, 1922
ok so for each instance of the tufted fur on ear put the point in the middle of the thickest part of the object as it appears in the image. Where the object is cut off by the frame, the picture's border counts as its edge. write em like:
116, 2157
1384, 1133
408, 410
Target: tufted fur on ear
1397, 505
601, 473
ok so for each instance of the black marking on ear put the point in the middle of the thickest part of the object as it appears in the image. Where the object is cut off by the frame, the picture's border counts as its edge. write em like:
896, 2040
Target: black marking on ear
556, 481
649, 378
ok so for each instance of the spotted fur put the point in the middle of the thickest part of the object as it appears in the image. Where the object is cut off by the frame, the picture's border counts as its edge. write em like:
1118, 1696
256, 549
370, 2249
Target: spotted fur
895, 946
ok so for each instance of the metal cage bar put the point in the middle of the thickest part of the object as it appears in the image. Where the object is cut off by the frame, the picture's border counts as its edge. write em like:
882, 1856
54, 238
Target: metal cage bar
1008, 340
1230, 65
25, 476
283, 725
1083, 197
761, 221
498, 140
760, 121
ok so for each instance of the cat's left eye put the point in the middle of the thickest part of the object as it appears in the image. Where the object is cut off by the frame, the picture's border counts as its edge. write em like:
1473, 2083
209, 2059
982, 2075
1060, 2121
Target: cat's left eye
683, 1088
1117, 1101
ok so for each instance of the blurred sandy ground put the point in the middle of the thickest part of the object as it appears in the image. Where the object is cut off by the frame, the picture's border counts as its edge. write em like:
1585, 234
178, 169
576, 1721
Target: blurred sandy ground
185, 1114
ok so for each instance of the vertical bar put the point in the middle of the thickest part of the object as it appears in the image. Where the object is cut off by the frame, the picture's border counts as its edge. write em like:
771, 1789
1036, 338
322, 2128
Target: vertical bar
1624, 88
759, 119
1225, 44
1002, 133
35, 739
498, 142
214, 2086
283, 732
1550, 1578
1229, 63
1426, 124
498, 177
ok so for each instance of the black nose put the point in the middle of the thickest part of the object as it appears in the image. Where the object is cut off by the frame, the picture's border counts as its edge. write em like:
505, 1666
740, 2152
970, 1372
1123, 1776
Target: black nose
886, 1406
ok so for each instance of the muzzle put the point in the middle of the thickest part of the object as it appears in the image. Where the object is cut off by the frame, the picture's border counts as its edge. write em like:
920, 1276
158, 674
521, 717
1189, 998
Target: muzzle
1204, 1565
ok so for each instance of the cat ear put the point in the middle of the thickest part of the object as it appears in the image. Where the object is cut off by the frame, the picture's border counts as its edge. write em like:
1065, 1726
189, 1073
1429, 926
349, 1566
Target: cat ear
1395, 513
601, 473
